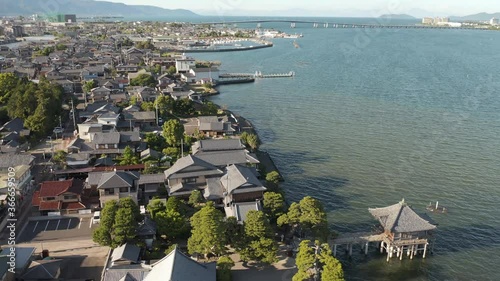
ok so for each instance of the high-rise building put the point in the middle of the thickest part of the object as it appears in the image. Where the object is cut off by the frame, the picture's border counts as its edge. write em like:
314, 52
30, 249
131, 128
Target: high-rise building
17, 30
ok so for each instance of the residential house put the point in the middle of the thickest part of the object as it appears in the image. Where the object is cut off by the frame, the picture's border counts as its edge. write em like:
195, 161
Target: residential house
190, 173
222, 153
240, 210
100, 93
68, 86
143, 94
147, 231
109, 119
127, 68
125, 254
149, 184
177, 95
140, 118
114, 185
59, 196
92, 72
214, 126
20, 165
184, 64
241, 185
78, 160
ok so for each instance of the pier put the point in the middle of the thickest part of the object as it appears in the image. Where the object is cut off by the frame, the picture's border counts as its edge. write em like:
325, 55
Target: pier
257, 74
402, 230
318, 24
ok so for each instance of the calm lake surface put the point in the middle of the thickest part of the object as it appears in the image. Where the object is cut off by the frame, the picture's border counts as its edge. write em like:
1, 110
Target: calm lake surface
374, 116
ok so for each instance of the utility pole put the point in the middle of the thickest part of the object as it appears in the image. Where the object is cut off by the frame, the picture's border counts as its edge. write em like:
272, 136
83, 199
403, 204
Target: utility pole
73, 113
156, 107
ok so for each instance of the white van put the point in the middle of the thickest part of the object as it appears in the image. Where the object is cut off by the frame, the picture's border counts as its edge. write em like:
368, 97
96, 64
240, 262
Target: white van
97, 217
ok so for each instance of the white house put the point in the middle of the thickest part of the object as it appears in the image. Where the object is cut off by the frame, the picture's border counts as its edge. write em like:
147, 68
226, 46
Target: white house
184, 64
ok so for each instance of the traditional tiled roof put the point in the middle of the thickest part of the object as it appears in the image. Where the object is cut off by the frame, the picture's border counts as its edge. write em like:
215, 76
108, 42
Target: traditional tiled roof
49, 205
126, 252
117, 179
177, 266
72, 206
198, 167
401, 218
217, 145
239, 179
56, 188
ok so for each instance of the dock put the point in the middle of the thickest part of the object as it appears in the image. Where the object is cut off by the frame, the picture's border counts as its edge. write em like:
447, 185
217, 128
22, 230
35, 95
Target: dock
257, 74
350, 239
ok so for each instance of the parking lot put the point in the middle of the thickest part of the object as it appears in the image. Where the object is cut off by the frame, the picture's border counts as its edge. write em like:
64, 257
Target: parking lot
70, 239
67, 228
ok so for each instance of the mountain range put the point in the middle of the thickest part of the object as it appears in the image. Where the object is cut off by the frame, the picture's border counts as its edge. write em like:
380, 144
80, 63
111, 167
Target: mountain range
85, 8
476, 17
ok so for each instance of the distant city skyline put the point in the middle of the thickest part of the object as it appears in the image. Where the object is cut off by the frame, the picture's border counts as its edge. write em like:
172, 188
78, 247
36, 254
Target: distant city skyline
354, 8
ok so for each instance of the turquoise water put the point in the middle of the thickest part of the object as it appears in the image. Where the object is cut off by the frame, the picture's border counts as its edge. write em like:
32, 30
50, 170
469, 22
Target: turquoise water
371, 118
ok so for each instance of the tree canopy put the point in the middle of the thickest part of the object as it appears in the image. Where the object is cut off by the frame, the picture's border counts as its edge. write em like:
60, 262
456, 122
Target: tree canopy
274, 205
143, 80
260, 244
207, 234
195, 198
173, 132
129, 157
118, 224
307, 214
317, 259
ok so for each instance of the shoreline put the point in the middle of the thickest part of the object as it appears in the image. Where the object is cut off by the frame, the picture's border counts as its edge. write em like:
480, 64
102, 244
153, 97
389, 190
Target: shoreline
238, 49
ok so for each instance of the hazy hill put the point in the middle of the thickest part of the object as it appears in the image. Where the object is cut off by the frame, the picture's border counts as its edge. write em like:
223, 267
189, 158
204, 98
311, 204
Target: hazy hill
476, 17
85, 8
398, 16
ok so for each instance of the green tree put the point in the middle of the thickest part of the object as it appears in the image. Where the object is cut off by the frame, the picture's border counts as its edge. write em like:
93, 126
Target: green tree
102, 235
124, 228
60, 158
172, 70
147, 106
253, 141
332, 268
155, 206
235, 233
305, 261
170, 248
133, 100
224, 265
195, 198
184, 107
165, 104
129, 157
174, 204
274, 205
170, 223
143, 80
155, 141
259, 236
257, 225
61, 47
273, 178
8, 82
309, 213
173, 132
209, 108
128, 203
207, 234
89, 85
172, 152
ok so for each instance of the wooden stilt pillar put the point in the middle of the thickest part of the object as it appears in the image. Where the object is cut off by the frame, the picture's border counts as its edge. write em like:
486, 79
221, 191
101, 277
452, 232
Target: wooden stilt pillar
402, 251
425, 250
412, 249
398, 252
382, 247
334, 250
350, 249
388, 255
391, 251
408, 251
415, 251
366, 248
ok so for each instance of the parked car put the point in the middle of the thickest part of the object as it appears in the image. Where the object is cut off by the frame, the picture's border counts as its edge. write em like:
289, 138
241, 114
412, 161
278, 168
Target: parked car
58, 130
97, 217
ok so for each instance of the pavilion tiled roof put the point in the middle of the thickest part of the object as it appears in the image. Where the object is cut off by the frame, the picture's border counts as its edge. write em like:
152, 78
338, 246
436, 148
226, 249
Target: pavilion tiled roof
401, 218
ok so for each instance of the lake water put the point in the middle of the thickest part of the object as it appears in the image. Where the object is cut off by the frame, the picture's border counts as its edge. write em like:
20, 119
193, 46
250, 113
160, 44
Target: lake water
373, 116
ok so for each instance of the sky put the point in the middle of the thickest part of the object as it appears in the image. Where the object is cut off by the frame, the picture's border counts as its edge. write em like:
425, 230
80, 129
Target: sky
355, 8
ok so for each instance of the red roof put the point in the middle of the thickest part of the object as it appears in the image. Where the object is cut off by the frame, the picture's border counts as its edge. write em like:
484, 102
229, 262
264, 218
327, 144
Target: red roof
119, 168
50, 205
55, 188
35, 201
73, 206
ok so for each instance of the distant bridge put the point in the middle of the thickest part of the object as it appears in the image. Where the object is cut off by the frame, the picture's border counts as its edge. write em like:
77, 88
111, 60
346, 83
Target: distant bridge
316, 24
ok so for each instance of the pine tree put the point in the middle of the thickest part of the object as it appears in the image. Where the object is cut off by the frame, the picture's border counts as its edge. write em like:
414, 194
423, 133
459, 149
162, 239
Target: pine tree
207, 234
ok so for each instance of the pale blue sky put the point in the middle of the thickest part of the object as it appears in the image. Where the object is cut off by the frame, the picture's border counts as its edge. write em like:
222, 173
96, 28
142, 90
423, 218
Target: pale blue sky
417, 8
